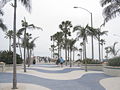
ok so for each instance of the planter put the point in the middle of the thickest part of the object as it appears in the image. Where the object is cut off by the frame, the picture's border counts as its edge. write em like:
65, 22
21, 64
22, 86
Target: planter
112, 71
93, 66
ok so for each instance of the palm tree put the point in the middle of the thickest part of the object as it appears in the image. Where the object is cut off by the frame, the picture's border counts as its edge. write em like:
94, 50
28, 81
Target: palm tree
102, 42
107, 50
97, 35
71, 43
52, 46
74, 49
28, 37
91, 32
80, 50
30, 47
82, 33
53, 50
9, 34
113, 50
111, 10
58, 37
26, 26
27, 4
65, 26
19, 44
82, 45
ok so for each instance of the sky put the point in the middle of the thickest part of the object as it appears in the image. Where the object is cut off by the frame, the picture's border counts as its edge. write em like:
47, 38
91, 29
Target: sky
48, 14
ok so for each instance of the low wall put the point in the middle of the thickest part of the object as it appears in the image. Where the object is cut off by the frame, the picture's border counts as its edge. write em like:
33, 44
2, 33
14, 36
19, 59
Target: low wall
9, 67
93, 66
112, 71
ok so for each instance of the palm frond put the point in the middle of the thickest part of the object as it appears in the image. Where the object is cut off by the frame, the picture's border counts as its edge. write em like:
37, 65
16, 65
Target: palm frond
104, 2
2, 26
111, 11
27, 4
21, 30
34, 27
76, 28
117, 51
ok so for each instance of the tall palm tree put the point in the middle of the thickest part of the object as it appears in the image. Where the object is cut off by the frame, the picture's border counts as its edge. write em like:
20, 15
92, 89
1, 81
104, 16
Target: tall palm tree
9, 34
74, 49
19, 44
72, 42
52, 46
111, 10
27, 41
82, 47
102, 42
30, 47
80, 50
91, 32
82, 33
26, 26
27, 4
65, 26
58, 37
97, 35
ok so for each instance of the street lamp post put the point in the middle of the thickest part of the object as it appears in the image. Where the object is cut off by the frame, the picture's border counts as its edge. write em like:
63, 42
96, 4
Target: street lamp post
91, 26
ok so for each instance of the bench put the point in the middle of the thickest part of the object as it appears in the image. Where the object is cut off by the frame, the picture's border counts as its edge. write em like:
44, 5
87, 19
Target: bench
2, 65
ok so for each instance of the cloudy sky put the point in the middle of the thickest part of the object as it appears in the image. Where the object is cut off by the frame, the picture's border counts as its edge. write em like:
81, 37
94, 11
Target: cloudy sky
48, 14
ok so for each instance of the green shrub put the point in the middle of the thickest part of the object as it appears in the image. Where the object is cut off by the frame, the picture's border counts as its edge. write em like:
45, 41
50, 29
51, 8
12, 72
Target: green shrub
91, 61
79, 60
114, 61
7, 57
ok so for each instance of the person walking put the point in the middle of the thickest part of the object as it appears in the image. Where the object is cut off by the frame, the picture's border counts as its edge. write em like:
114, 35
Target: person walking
61, 61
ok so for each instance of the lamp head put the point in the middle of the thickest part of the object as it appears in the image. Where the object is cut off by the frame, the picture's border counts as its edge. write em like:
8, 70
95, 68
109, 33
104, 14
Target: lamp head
75, 7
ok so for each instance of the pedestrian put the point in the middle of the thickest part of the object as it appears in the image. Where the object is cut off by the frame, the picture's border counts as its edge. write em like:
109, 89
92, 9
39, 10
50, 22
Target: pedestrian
34, 62
61, 61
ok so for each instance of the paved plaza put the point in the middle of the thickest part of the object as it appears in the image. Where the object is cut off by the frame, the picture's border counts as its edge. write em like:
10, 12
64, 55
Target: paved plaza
53, 77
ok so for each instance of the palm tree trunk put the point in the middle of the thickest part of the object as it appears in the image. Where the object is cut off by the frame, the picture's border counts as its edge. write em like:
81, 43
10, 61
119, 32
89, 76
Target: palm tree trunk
53, 49
19, 47
65, 50
70, 58
68, 54
58, 51
28, 57
102, 52
25, 50
85, 49
92, 37
73, 56
85, 56
9, 44
81, 54
99, 47
14, 48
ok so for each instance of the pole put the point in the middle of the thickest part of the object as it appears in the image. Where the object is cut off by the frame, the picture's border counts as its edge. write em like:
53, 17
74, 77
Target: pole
91, 26
92, 37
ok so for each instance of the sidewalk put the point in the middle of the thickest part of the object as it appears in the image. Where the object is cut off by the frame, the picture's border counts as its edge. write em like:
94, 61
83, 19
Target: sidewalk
52, 77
